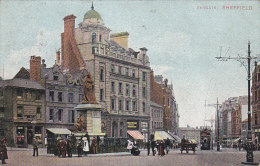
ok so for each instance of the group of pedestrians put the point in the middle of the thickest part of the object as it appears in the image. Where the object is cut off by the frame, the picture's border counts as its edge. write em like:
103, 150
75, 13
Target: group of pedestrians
161, 147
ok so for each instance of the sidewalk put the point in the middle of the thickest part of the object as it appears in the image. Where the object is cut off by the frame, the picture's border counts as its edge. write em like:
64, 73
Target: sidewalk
43, 152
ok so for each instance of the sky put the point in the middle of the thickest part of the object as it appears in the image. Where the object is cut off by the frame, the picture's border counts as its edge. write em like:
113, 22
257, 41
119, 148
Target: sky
182, 37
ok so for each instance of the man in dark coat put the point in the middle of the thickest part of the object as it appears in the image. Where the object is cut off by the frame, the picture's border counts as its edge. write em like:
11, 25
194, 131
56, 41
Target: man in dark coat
3, 150
153, 144
69, 148
35, 146
79, 148
168, 144
148, 145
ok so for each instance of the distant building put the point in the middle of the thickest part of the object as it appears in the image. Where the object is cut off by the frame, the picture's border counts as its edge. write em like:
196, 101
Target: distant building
256, 102
22, 111
189, 133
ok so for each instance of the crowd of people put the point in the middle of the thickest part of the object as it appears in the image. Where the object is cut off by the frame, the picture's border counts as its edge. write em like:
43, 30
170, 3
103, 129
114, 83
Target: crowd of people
159, 147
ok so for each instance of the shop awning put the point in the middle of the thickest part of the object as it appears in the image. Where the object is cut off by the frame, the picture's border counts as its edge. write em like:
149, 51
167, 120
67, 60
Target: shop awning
176, 138
157, 136
135, 134
163, 135
61, 131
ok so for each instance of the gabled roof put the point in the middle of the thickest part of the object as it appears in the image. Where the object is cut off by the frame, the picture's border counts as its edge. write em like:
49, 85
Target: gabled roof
23, 73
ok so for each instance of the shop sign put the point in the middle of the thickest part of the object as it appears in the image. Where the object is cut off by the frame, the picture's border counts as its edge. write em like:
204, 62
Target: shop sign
132, 124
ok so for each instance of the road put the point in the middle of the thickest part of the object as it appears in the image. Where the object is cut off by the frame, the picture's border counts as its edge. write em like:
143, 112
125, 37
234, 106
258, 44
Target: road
228, 157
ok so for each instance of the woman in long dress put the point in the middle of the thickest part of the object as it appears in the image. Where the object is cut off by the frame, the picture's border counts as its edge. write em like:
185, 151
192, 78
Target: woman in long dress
86, 145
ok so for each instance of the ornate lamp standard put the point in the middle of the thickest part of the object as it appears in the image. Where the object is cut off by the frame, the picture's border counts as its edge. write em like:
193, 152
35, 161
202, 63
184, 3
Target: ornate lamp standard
249, 145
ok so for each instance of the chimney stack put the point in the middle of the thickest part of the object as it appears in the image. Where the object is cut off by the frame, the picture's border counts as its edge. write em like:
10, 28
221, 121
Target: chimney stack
35, 68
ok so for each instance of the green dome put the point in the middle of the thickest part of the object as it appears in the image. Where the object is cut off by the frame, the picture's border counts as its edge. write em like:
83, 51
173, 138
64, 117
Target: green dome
92, 14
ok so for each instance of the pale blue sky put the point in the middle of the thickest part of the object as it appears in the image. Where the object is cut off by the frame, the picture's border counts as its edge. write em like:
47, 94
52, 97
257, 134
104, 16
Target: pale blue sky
182, 42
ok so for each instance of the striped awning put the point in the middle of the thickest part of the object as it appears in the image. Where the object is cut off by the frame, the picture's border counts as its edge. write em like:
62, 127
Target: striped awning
135, 134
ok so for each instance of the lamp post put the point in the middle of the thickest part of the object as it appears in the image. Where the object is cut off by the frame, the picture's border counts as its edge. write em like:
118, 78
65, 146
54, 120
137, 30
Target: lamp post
249, 145
216, 106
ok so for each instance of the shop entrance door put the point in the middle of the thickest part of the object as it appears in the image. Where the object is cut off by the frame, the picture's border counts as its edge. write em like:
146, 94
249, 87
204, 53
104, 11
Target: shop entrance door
30, 135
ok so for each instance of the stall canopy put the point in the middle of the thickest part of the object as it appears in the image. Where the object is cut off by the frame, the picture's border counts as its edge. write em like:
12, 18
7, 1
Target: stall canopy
61, 131
160, 135
135, 134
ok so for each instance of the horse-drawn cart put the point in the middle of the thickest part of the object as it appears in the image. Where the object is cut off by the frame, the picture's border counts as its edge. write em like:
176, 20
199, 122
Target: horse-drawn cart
188, 147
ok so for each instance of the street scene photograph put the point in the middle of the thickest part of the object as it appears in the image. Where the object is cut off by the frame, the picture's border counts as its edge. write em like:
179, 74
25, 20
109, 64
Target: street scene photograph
129, 83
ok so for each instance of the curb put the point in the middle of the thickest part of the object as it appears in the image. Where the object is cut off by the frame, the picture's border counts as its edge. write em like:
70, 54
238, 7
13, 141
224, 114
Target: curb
92, 155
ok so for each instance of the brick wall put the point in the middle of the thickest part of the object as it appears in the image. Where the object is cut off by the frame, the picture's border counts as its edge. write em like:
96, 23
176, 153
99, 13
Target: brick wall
35, 68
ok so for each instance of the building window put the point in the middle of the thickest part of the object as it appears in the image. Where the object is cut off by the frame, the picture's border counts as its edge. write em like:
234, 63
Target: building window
101, 95
256, 95
60, 114
70, 97
144, 107
113, 87
100, 38
144, 92
120, 104
112, 68
256, 120
114, 129
38, 112
51, 114
120, 88
1, 92
38, 95
101, 76
144, 76
133, 73
134, 106
113, 104
127, 105
134, 90
127, 71
72, 116
94, 35
127, 89
60, 96
51, 95
121, 131
19, 93
80, 97
19, 111
56, 78
119, 69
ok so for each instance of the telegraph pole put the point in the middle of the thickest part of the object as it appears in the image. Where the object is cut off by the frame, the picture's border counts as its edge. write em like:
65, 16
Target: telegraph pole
216, 106
249, 145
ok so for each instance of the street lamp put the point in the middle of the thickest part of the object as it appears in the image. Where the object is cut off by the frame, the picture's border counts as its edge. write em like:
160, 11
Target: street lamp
249, 145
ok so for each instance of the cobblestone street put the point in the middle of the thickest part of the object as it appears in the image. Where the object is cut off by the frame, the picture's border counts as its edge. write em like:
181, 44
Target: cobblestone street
228, 157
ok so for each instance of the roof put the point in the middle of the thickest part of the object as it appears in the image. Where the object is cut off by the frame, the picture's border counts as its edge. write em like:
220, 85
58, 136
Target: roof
119, 34
23, 83
92, 14
23, 73
61, 131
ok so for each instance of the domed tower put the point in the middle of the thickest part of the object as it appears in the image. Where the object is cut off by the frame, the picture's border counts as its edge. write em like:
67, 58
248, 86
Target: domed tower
92, 34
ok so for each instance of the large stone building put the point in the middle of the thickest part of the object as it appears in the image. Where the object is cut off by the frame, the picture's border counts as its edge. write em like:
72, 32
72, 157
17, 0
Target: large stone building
256, 101
120, 74
21, 111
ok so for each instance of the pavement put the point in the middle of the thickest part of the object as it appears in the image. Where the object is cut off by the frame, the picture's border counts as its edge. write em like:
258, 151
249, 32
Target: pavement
227, 157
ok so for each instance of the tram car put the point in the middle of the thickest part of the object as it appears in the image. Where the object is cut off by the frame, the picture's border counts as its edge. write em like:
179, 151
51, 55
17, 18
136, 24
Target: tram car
205, 139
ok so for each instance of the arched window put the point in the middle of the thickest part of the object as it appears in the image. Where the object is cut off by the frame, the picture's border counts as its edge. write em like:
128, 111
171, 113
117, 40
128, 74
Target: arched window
114, 129
94, 37
121, 131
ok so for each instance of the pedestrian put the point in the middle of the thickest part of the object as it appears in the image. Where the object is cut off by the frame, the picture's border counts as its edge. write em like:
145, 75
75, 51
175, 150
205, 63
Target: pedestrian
35, 146
129, 145
58, 147
69, 148
3, 150
94, 145
85, 146
167, 144
79, 148
148, 145
153, 144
